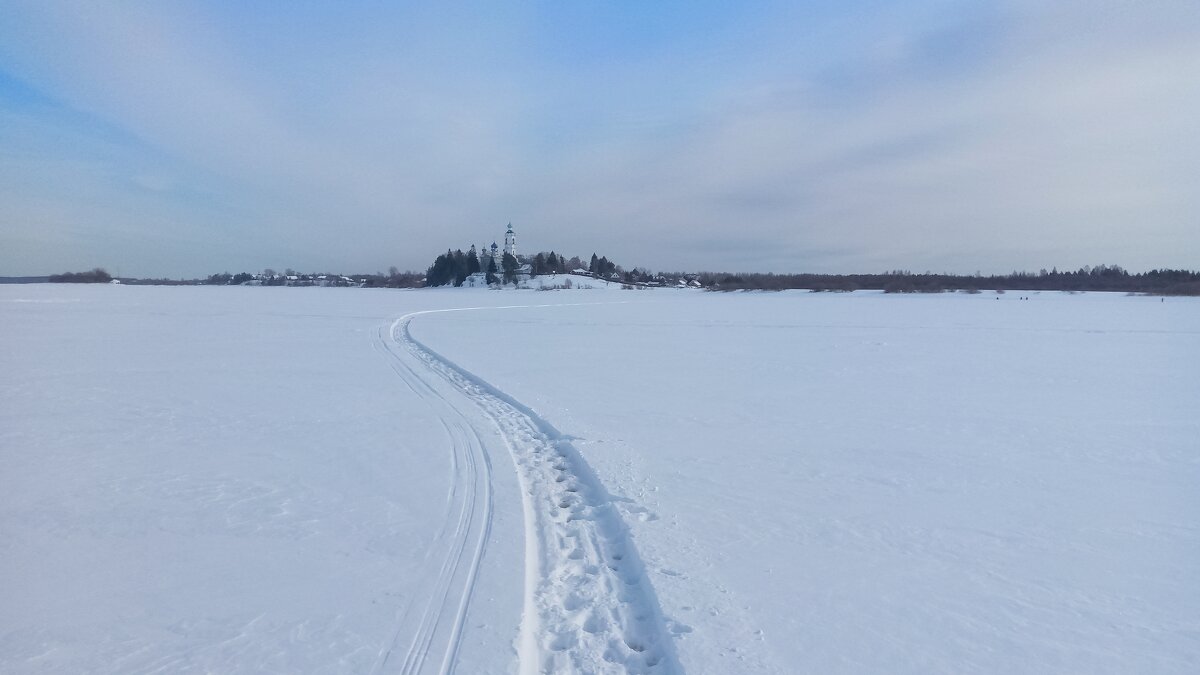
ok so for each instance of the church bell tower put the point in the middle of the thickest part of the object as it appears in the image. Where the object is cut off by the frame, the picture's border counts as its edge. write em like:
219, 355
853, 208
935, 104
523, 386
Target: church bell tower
510, 242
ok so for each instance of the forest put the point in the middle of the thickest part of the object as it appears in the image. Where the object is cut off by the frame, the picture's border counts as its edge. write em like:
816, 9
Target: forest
1099, 278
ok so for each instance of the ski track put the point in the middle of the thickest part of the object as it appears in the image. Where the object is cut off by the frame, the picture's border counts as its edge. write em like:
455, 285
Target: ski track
589, 607
432, 620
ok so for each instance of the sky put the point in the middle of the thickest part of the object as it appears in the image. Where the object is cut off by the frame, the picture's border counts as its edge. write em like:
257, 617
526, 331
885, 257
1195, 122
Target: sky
178, 139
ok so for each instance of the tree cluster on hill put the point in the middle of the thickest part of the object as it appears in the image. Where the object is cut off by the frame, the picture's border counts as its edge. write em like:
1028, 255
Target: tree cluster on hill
95, 276
548, 263
1099, 278
449, 268
453, 267
602, 267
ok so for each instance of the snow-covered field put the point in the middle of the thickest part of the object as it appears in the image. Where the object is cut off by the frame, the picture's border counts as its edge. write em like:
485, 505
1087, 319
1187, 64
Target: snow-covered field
329, 480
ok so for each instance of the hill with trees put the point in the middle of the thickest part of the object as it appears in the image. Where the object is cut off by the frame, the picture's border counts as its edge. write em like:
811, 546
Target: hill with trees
453, 267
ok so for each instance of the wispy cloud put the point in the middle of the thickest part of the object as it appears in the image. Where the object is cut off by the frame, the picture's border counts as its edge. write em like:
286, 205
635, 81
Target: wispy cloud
842, 137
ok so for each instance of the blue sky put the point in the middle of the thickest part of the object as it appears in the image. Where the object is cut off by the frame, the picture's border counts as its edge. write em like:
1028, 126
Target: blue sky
181, 139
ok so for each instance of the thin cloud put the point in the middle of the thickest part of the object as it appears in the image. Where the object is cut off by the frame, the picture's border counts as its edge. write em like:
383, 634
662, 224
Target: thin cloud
990, 137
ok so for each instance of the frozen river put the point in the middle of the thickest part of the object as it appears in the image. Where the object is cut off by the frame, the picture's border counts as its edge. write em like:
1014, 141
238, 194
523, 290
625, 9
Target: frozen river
248, 479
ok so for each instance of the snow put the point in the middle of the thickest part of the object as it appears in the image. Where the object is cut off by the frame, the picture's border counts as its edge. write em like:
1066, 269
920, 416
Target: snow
223, 480
877, 483
588, 605
596, 480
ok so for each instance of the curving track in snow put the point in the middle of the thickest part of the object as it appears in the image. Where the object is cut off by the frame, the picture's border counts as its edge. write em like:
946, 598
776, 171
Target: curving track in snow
589, 607
429, 627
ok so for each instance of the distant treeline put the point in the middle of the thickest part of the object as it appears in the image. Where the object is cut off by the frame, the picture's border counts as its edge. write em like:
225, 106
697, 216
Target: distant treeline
1099, 278
95, 276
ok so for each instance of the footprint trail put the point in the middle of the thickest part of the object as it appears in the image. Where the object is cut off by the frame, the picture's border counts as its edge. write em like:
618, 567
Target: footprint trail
589, 607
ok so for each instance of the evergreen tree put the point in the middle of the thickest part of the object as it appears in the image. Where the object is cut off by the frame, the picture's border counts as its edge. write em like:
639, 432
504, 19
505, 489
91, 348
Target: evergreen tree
539, 264
510, 268
442, 270
491, 271
594, 265
460, 267
552, 263
472, 262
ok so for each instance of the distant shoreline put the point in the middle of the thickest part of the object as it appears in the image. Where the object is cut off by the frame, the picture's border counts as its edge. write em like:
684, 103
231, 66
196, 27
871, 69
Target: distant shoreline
1088, 279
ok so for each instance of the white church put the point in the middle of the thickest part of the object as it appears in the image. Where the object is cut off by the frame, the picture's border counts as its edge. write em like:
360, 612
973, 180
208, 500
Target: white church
510, 247
495, 253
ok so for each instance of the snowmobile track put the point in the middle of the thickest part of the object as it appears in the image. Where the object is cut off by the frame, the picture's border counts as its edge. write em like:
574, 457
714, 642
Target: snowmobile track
589, 607
432, 621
